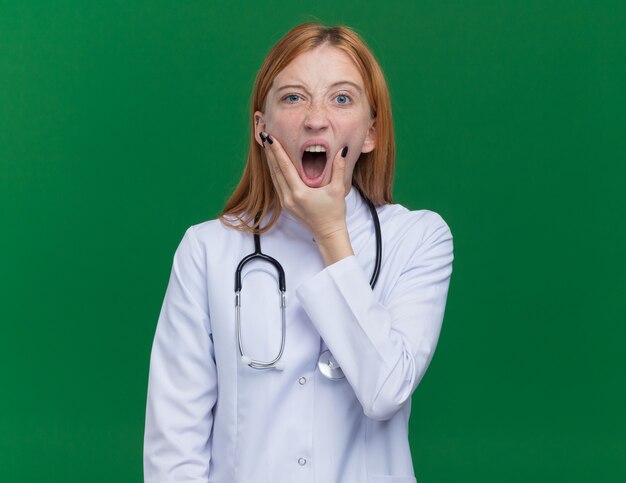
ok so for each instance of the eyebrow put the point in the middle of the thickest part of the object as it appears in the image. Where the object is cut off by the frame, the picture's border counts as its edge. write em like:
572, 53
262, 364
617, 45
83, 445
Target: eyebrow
300, 86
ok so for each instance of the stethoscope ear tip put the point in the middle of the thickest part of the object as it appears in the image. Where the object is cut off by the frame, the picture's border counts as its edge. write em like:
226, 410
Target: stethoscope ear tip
245, 360
280, 366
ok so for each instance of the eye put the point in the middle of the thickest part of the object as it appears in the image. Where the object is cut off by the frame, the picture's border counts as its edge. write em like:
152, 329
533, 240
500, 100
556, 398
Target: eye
290, 98
343, 99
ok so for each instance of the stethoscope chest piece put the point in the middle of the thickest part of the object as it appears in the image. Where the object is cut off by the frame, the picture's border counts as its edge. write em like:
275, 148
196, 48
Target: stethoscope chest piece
328, 366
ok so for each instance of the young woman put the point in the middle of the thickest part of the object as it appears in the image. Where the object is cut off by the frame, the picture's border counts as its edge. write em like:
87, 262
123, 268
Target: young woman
287, 366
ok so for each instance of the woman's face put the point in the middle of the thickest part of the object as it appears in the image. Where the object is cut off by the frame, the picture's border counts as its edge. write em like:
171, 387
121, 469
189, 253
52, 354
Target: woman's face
319, 99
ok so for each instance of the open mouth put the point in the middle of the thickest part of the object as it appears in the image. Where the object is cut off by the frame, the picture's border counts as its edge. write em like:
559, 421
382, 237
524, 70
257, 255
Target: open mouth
314, 162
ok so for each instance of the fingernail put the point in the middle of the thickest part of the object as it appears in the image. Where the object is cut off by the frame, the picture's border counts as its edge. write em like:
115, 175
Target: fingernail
263, 138
344, 151
269, 138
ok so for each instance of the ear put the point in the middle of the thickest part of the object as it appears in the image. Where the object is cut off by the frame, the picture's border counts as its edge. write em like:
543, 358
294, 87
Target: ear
370, 140
259, 125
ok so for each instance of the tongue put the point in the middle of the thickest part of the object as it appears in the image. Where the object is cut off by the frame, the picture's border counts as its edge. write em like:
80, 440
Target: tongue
313, 164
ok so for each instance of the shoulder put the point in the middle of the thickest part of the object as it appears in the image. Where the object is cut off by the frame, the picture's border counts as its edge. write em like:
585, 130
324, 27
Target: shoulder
212, 232
209, 229
200, 238
418, 240
418, 225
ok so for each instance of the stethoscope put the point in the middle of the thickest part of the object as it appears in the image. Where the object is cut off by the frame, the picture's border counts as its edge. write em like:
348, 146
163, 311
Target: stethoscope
327, 364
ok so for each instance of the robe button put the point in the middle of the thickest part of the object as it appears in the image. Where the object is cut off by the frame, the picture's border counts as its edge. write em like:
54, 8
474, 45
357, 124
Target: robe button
301, 461
302, 381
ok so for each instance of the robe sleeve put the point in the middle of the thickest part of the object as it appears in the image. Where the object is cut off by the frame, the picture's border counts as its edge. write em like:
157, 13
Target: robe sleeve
182, 383
384, 350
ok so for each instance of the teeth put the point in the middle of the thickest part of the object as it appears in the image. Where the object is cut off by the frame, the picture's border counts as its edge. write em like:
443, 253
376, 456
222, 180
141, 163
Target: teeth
315, 149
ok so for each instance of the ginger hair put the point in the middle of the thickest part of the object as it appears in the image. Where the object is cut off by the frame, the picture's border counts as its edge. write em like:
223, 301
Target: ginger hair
373, 172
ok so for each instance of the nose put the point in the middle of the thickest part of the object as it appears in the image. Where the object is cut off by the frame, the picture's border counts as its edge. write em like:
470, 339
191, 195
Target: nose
316, 118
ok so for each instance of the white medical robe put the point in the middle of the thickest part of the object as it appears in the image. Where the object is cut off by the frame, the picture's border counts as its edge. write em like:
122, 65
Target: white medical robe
211, 418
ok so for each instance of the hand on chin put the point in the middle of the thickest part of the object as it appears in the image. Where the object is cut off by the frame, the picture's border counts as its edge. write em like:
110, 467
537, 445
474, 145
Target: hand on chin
322, 210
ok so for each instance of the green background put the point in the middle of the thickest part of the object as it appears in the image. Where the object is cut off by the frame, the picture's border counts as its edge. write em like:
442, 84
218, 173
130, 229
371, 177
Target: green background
123, 123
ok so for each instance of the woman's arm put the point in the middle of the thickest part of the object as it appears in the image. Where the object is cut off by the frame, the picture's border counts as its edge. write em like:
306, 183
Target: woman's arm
182, 387
384, 350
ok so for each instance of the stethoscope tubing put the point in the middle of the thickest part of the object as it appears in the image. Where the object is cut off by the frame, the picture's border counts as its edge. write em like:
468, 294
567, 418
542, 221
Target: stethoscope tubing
257, 254
379, 241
